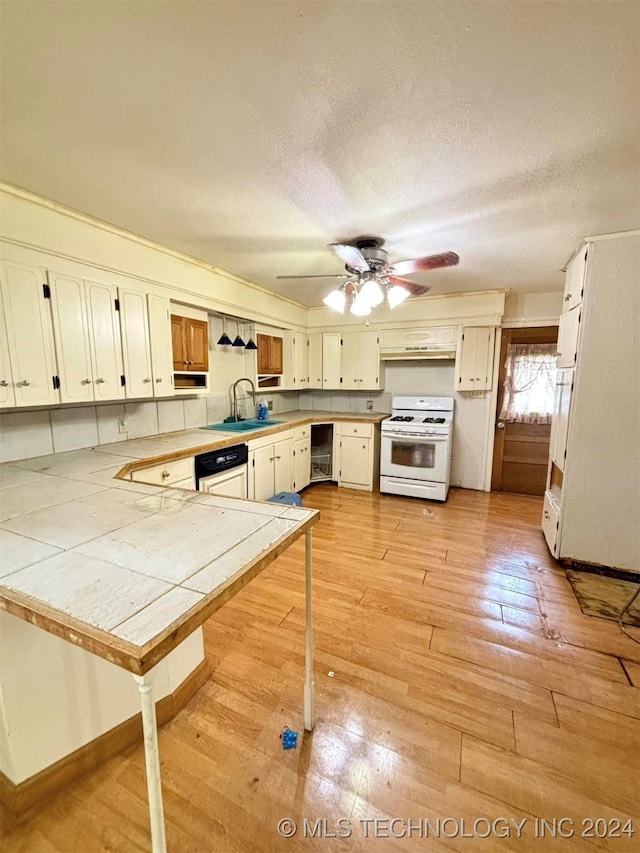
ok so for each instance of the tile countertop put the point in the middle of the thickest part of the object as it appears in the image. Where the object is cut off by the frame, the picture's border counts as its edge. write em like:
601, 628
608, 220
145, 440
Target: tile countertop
126, 570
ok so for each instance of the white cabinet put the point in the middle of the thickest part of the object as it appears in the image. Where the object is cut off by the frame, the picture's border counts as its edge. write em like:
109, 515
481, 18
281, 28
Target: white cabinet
29, 336
136, 344
568, 338
230, 484
161, 345
270, 466
474, 364
7, 393
301, 463
361, 361
87, 339
300, 361
550, 522
574, 280
178, 473
356, 454
325, 361
560, 422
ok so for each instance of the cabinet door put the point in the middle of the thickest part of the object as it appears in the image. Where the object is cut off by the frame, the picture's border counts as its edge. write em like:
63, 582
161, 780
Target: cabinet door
351, 361
179, 343
574, 281
264, 354
283, 466
568, 338
7, 393
475, 360
29, 336
160, 335
261, 473
355, 466
560, 426
301, 464
275, 356
136, 346
369, 361
197, 340
331, 366
300, 360
315, 361
104, 341
71, 336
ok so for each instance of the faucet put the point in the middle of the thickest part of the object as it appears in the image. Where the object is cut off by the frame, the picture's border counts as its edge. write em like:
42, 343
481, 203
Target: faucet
235, 395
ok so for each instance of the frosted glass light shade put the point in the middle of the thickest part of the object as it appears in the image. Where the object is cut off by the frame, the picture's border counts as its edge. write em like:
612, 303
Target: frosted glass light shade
360, 306
336, 300
396, 295
371, 292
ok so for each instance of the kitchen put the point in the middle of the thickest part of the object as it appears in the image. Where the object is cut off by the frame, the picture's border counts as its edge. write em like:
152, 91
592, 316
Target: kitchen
126, 364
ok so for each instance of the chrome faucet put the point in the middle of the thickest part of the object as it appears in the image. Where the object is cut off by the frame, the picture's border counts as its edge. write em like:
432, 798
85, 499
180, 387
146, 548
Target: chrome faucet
235, 395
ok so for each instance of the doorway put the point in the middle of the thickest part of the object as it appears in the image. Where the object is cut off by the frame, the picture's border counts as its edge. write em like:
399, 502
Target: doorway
524, 406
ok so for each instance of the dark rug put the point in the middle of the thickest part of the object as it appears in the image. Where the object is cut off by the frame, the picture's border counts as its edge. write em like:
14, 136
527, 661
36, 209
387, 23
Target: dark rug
605, 597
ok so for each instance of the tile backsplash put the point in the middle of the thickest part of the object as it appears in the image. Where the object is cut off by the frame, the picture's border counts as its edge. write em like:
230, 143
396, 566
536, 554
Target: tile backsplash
38, 433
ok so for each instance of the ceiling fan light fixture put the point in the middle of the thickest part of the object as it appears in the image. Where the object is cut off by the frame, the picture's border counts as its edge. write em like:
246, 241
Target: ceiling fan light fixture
360, 307
336, 300
371, 292
396, 295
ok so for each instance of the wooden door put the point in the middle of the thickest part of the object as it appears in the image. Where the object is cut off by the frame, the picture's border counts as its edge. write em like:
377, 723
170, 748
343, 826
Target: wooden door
520, 451
178, 343
104, 340
160, 332
275, 356
315, 361
29, 335
71, 335
197, 341
136, 346
263, 342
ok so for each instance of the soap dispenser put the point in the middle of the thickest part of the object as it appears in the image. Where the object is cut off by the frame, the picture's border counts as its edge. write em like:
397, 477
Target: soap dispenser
263, 411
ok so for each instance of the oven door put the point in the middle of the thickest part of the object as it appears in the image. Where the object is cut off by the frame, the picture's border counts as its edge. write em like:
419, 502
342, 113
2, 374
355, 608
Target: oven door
415, 457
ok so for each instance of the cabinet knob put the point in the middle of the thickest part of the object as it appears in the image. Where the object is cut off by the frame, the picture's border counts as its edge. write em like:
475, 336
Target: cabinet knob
567, 297
146, 380
500, 424
159, 379
558, 354
546, 514
25, 382
100, 381
364, 446
85, 382
477, 379
3, 383
165, 474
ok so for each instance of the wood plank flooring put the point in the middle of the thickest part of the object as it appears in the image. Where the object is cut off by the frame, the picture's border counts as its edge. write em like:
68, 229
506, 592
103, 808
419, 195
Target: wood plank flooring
456, 677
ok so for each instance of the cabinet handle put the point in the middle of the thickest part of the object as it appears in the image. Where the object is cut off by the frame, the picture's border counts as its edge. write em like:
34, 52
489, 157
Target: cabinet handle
25, 382
100, 381
546, 514
364, 446
146, 380
159, 379
165, 474
558, 354
85, 382
477, 379
567, 297
3, 383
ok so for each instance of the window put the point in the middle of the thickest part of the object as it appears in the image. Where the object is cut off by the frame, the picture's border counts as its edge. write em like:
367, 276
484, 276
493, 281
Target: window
529, 383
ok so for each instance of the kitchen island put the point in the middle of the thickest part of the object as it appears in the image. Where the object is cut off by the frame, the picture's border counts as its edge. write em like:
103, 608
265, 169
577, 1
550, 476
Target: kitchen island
124, 574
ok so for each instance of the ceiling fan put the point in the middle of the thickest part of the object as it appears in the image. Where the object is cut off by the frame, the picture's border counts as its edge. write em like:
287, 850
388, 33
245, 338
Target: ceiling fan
370, 276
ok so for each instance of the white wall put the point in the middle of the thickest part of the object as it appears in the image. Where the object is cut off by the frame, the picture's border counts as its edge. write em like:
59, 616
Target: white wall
56, 697
532, 309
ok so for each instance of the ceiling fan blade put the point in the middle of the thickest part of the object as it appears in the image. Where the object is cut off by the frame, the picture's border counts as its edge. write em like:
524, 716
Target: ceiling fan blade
414, 289
328, 275
350, 255
433, 262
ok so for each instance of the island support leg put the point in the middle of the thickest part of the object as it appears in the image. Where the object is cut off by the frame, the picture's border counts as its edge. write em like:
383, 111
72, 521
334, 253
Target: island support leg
308, 658
152, 761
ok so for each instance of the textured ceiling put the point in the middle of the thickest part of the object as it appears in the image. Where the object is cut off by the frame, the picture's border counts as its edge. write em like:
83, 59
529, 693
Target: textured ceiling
252, 134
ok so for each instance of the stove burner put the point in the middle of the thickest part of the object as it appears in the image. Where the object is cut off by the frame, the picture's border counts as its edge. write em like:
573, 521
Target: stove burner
405, 418
433, 421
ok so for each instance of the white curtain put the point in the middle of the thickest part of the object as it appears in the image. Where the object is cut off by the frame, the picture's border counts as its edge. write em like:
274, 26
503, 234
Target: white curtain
529, 383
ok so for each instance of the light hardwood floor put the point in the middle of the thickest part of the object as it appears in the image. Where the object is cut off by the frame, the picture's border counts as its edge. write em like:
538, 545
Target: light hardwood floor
456, 677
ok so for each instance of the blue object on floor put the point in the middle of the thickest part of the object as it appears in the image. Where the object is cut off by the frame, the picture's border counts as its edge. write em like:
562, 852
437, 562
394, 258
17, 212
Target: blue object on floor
289, 738
290, 498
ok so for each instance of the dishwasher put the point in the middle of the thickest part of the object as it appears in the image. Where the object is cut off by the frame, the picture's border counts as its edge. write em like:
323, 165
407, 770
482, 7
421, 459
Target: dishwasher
223, 472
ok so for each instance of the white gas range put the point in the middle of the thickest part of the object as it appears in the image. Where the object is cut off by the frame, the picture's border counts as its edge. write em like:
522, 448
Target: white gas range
415, 448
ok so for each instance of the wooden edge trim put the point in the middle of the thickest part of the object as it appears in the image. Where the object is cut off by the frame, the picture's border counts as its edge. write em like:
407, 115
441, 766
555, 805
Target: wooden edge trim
18, 798
140, 659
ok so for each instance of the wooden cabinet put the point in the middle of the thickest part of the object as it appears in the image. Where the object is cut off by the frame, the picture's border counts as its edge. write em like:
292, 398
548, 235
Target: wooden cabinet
88, 347
136, 344
29, 340
300, 361
356, 454
574, 280
474, 363
314, 346
160, 334
190, 343
301, 463
270, 466
361, 361
568, 337
270, 358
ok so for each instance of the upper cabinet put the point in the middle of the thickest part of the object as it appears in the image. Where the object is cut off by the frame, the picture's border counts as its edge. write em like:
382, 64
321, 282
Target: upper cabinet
29, 339
574, 280
190, 339
474, 362
300, 360
361, 361
87, 339
568, 337
331, 361
136, 344
7, 392
314, 348
270, 355
160, 330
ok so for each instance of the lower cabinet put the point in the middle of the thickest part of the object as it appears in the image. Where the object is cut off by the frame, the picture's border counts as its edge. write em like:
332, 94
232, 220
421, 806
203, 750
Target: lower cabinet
550, 522
178, 474
270, 467
357, 455
301, 463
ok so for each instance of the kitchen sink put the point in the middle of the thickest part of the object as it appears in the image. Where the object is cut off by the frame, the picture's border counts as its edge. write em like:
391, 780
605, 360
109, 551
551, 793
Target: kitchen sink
243, 426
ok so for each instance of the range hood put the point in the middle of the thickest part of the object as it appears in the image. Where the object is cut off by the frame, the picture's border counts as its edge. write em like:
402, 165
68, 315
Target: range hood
438, 342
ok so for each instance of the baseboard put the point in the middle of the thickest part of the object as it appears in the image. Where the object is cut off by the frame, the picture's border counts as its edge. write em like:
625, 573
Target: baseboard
605, 571
18, 798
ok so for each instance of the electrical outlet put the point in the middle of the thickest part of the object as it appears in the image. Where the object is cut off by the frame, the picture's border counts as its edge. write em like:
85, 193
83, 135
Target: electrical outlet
270, 405
370, 405
123, 426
